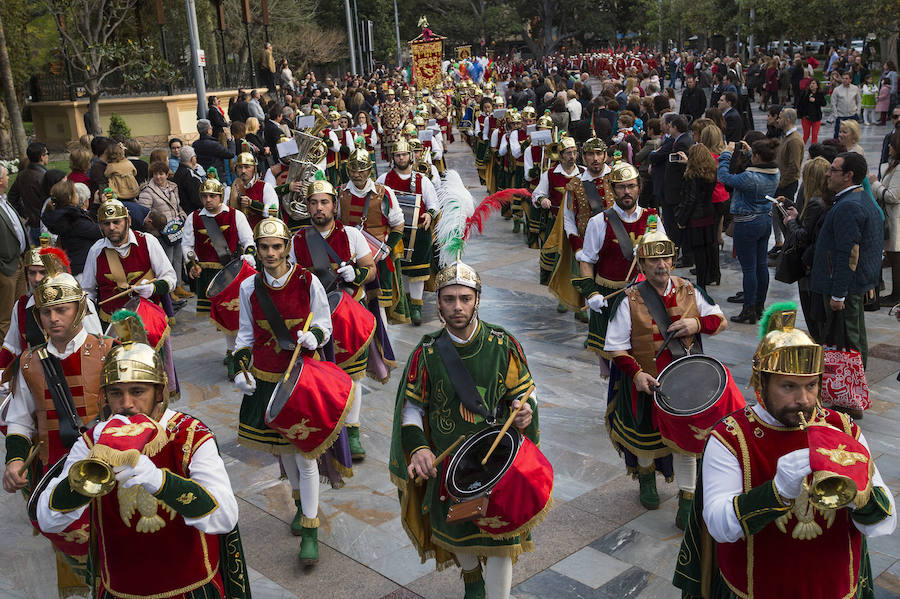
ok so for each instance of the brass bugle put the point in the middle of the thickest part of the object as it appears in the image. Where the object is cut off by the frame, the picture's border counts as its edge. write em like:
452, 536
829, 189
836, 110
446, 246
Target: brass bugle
91, 477
828, 490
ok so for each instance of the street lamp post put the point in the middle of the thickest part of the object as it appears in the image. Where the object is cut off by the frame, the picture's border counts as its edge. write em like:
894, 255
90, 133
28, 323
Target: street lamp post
199, 80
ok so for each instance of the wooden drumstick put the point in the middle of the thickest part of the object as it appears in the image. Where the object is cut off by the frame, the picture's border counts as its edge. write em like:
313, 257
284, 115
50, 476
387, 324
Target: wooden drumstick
297, 349
437, 461
627, 278
503, 430
32, 454
246, 374
127, 291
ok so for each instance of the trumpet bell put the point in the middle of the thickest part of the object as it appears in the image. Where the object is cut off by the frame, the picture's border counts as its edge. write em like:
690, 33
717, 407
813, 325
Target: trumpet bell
91, 478
829, 490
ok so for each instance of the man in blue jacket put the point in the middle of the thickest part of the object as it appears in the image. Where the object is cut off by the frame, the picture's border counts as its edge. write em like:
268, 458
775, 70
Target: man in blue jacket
848, 250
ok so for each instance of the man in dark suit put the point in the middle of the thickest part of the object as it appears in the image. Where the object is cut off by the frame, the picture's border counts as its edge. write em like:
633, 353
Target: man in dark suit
13, 243
27, 192
658, 159
734, 125
188, 181
673, 162
240, 111
272, 131
693, 100
209, 151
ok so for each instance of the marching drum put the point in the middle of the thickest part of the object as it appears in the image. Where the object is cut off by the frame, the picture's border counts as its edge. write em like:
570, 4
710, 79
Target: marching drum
694, 393
353, 327
510, 494
73, 541
223, 294
309, 408
411, 204
380, 249
152, 316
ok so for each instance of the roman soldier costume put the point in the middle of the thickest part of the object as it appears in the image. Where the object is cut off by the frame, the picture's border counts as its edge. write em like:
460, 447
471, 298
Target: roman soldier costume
391, 118
263, 198
745, 518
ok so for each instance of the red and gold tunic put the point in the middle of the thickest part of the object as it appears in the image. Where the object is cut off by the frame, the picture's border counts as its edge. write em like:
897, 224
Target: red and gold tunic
351, 207
759, 566
82, 371
7, 357
611, 267
137, 266
292, 302
203, 247
556, 190
331, 157
139, 564
337, 239
257, 204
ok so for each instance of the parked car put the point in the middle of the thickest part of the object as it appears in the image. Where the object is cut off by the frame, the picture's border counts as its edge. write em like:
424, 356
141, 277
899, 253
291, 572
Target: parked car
814, 47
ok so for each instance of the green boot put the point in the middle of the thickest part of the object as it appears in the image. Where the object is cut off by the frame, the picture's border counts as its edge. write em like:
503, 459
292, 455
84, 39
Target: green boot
415, 314
582, 316
296, 526
474, 583
517, 225
561, 308
356, 449
309, 543
229, 356
685, 500
648, 495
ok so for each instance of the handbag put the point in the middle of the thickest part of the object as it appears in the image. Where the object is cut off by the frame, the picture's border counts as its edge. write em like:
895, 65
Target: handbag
844, 380
790, 268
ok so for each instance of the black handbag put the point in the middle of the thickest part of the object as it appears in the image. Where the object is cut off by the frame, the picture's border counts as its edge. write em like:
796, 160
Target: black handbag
790, 268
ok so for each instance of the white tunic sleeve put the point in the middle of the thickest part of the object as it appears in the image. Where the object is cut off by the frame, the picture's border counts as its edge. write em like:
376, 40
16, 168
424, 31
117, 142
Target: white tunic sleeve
618, 334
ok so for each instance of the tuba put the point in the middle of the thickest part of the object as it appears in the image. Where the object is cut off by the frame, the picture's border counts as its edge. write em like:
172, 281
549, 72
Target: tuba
303, 168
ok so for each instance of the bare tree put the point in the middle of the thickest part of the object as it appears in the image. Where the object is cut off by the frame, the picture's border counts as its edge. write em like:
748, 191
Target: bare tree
88, 29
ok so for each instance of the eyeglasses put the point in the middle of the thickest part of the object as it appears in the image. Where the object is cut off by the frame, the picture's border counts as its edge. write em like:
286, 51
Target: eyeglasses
836, 170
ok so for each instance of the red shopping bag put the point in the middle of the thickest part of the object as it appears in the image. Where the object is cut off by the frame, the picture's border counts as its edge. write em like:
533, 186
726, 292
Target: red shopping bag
844, 381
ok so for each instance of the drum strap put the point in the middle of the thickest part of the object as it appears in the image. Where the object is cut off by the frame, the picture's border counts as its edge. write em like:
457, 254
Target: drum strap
615, 223
322, 255
594, 197
217, 239
70, 423
285, 340
461, 377
34, 336
658, 312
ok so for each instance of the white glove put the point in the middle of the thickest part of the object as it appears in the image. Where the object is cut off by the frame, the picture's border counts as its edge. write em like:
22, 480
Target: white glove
307, 340
249, 260
347, 272
246, 385
597, 302
145, 473
792, 468
144, 289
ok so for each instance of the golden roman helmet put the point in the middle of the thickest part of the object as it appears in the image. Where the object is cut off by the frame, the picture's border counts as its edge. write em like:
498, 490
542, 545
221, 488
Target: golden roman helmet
654, 243
499, 102
111, 209
59, 287
566, 142
416, 145
594, 144
513, 117
784, 349
401, 147
133, 360
458, 273
390, 92
622, 171
211, 185
529, 112
245, 158
409, 130
272, 227
418, 121
359, 160
545, 122
32, 257
320, 186
334, 115
404, 93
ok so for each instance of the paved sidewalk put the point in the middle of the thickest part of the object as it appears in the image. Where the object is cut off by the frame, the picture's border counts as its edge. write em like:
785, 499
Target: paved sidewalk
597, 542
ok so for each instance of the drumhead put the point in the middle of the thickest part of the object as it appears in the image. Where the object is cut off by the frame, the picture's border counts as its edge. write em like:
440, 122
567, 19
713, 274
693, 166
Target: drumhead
283, 391
334, 298
691, 384
224, 278
466, 477
39, 488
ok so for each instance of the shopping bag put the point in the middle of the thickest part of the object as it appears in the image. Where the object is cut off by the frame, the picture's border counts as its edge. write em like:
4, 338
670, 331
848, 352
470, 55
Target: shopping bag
844, 380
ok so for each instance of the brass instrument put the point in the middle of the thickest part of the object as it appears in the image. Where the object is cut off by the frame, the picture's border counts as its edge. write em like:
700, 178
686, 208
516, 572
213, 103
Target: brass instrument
827, 490
423, 164
91, 477
551, 152
303, 168
320, 124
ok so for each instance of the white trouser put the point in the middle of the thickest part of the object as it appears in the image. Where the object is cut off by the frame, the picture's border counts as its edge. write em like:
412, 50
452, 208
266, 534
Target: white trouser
685, 467
416, 289
229, 341
353, 415
497, 573
303, 475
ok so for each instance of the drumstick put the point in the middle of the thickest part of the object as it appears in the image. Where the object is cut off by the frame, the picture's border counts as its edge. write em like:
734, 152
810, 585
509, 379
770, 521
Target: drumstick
246, 374
127, 291
290, 367
627, 277
503, 430
32, 454
437, 461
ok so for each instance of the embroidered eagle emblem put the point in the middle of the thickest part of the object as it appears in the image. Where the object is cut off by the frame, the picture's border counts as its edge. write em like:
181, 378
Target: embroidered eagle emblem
492, 522
700, 433
233, 305
842, 457
132, 429
186, 498
300, 431
79, 535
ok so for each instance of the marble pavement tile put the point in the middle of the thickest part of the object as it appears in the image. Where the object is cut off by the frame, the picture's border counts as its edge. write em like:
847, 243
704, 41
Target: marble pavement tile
652, 554
402, 565
617, 500
552, 585
402, 594
626, 585
590, 567
880, 562
659, 524
263, 588
659, 588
